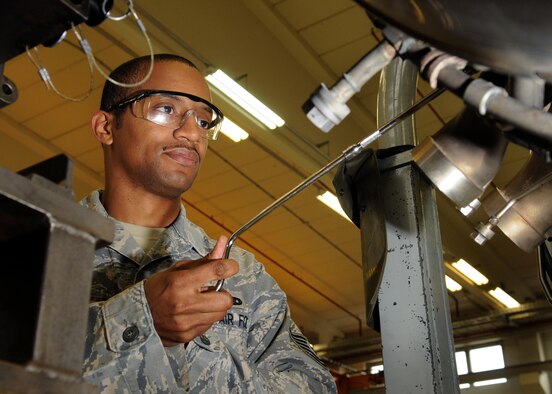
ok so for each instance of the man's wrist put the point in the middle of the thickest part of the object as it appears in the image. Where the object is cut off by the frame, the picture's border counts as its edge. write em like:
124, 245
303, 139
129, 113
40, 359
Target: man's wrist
127, 319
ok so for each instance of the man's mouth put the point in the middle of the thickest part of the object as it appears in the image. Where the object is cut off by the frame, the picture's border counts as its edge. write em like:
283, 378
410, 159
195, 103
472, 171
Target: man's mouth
183, 156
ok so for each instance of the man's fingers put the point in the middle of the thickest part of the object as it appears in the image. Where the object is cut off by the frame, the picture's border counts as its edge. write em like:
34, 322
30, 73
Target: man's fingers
201, 304
188, 322
215, 254
199, 275
180, 305
219, 248
184, 327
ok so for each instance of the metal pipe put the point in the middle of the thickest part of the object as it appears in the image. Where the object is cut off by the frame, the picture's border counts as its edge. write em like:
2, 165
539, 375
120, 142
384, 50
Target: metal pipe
397, 91
310, 226
529, 90
349, 153
327, 107
489, 98
416, 329
304, 282
420, 93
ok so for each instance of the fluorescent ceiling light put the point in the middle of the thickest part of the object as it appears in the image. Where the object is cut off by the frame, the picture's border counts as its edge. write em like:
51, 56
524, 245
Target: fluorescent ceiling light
489, 382
331, 201
451, 284
233, 131
505, 298
471, 273
244, 99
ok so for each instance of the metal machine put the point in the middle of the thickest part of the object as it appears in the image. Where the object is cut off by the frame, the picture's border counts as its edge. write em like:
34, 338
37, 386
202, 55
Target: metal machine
497, 57
48, 239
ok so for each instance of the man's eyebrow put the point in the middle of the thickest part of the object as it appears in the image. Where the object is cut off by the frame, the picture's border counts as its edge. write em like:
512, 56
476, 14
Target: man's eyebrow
205, 106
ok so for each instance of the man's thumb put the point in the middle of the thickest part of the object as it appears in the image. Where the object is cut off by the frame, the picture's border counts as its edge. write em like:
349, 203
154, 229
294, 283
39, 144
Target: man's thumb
219, 248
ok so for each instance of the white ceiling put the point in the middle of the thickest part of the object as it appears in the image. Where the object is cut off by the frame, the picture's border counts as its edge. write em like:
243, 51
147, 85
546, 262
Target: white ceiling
280, 50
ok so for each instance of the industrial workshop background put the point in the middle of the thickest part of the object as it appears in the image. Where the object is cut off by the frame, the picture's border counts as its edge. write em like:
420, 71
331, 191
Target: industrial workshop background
493, 147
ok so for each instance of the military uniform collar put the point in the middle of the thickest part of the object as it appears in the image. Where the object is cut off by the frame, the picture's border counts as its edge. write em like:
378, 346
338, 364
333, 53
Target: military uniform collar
175, 241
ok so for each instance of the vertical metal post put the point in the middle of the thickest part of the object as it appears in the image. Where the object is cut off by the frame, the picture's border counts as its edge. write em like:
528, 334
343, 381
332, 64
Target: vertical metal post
416, 330
63, 311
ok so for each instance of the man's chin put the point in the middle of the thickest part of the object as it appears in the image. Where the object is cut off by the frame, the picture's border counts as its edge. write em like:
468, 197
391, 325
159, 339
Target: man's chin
173, 188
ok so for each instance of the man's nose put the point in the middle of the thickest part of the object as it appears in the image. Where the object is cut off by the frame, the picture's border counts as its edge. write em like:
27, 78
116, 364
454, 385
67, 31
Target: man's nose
188, 127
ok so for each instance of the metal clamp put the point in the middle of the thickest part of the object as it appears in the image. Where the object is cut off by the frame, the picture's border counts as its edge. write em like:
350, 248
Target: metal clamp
107, 13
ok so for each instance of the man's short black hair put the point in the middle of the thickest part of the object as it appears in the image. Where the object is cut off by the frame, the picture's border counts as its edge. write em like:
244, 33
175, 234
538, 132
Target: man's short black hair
131, 72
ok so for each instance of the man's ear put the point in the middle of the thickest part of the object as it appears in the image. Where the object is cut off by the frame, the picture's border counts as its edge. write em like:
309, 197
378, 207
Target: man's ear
102, 127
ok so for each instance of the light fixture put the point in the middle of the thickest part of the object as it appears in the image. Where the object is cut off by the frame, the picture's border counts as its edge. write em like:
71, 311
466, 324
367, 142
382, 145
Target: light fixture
482, 383
452, 285
244, 99
331, 201
471, 273
233, 131
505, 298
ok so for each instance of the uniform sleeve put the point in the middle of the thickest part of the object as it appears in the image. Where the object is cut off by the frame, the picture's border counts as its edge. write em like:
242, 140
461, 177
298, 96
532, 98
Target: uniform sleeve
280, 355
123, 352
289, 365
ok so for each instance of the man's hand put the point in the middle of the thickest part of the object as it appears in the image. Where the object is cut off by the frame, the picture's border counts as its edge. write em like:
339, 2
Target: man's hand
181, 306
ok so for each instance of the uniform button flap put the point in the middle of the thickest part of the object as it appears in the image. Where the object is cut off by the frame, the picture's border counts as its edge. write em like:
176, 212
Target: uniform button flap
205, 340
130, 333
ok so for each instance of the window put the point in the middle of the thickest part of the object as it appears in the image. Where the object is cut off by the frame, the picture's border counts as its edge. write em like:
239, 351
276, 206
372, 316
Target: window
473, 359
376, 369
480, 359
461, 363
486, 358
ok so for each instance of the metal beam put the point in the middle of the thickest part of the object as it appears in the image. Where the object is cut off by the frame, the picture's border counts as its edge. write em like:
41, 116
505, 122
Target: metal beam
416, 330
44, 326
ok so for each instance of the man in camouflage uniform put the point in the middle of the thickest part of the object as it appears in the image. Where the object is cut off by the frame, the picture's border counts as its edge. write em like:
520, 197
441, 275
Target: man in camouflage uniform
155, 326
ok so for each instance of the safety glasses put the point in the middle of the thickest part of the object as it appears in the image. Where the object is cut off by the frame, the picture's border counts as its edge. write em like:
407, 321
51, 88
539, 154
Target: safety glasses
171, 109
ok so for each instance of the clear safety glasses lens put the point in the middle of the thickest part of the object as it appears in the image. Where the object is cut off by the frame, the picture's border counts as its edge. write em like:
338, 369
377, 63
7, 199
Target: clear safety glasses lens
172, 109
172, 112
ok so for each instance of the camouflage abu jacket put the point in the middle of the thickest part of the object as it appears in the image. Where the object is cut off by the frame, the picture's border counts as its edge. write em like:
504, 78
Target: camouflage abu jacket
256, 348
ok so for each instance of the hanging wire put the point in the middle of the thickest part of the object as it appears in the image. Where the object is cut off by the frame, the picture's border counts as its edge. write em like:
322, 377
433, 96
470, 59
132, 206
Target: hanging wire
142, 28
45, 75
92, 63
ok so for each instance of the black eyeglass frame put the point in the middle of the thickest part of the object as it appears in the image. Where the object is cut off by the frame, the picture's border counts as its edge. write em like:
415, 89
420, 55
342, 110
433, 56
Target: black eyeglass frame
147, 93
